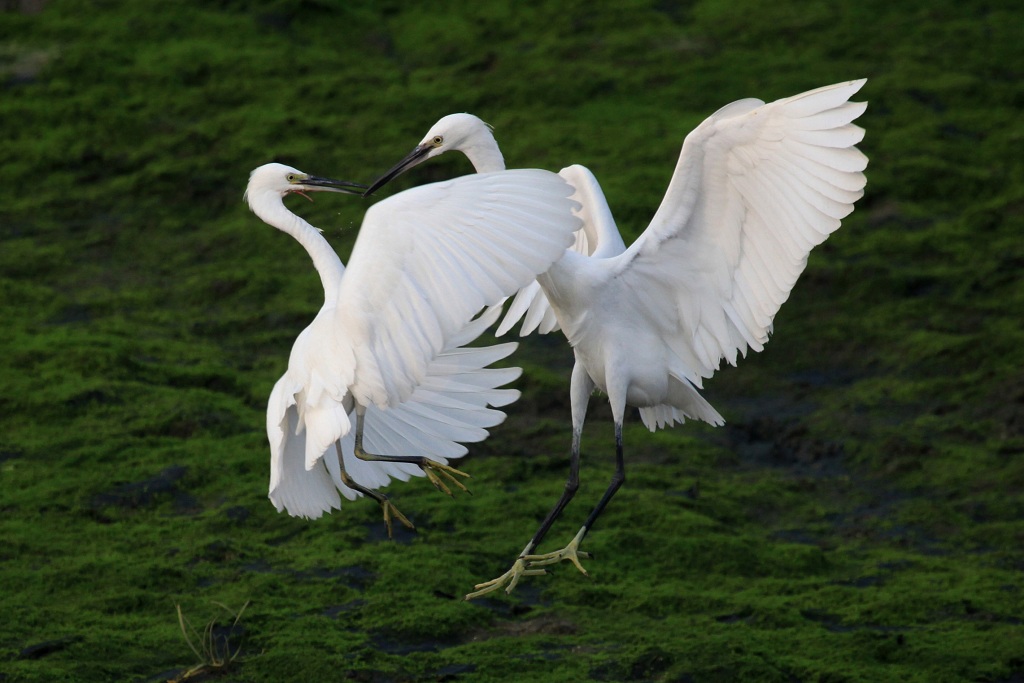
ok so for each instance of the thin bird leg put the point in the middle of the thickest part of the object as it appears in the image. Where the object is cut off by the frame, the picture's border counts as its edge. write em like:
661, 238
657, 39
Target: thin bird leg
580, 388
385, 503
430, 468
572, 485
520, 568
571, 552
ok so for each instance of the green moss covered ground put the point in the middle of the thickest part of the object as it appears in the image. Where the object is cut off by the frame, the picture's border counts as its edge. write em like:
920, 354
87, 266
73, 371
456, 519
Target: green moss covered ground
860, 518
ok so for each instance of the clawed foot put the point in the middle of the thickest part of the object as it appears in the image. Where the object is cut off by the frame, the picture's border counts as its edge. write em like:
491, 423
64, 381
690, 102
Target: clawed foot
570, 552
435, 471
511, 577
526, 565
390, 510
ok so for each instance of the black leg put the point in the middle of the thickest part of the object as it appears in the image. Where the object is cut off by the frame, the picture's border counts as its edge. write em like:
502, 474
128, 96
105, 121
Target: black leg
385, 503
429, 467
580, 388
572, 552
618, 479
571, 486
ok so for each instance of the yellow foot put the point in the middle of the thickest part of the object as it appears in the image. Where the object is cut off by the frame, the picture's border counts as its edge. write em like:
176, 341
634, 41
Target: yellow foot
570, 552
390, 510
445, 471
511, 577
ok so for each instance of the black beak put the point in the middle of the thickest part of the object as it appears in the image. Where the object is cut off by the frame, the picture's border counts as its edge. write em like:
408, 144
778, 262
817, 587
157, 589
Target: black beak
331, 185
418, 154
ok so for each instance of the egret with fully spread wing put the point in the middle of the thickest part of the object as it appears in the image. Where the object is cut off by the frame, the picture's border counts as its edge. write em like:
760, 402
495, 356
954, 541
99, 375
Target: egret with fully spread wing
388, 346
756, 187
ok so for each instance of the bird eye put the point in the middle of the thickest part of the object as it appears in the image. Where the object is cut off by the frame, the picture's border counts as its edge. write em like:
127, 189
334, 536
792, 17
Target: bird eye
291, 177
438, 140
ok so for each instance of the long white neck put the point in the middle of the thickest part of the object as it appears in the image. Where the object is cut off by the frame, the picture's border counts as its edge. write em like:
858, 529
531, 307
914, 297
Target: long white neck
272, 211
483, 152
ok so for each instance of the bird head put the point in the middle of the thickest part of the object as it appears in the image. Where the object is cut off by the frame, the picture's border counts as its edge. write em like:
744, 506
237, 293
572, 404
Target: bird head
282, 180
453, 132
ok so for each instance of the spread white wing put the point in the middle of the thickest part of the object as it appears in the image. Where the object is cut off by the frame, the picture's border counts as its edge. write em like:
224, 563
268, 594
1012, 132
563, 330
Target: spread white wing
428, 259
757, 186
454, 403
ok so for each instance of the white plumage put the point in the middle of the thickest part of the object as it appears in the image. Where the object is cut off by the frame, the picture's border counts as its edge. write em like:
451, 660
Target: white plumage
756, 187
390, 340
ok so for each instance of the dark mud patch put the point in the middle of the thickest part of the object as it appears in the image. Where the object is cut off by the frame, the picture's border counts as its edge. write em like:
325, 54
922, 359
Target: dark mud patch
772, 442
238, 514
355, 577
6, 455
336, 611
452, 672
48, 647
744, 615
648, 665
835, 624
548, 624
396, 644
377, 531
526, 598
150, 492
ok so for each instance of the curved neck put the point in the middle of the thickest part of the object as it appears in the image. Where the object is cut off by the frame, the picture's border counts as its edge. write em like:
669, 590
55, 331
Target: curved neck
270, 208
484, 154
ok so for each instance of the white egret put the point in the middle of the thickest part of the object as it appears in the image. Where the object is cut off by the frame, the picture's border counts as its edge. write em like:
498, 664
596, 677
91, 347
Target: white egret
387, 347
756, 187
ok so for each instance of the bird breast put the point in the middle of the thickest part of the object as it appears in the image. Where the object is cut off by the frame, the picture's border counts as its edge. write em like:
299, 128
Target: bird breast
623, 360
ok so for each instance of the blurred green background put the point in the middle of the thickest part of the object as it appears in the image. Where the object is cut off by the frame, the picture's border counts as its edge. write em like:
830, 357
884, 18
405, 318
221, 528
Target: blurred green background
859, 518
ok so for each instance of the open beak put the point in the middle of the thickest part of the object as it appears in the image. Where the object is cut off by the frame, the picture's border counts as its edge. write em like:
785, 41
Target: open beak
330, 185
418, 154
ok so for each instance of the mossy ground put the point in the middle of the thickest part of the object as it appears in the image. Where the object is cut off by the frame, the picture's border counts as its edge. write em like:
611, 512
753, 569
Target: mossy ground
860, 518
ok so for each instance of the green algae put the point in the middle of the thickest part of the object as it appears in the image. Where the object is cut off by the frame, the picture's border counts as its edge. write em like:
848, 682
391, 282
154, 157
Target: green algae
858, 519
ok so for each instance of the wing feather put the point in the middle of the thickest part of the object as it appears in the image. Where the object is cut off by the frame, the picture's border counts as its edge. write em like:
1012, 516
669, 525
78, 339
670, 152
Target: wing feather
304, 493
832, 118
437, 254
455, 402
757, 186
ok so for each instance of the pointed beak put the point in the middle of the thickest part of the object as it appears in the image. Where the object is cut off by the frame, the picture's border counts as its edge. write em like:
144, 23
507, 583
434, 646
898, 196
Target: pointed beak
330, 185
418, 154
